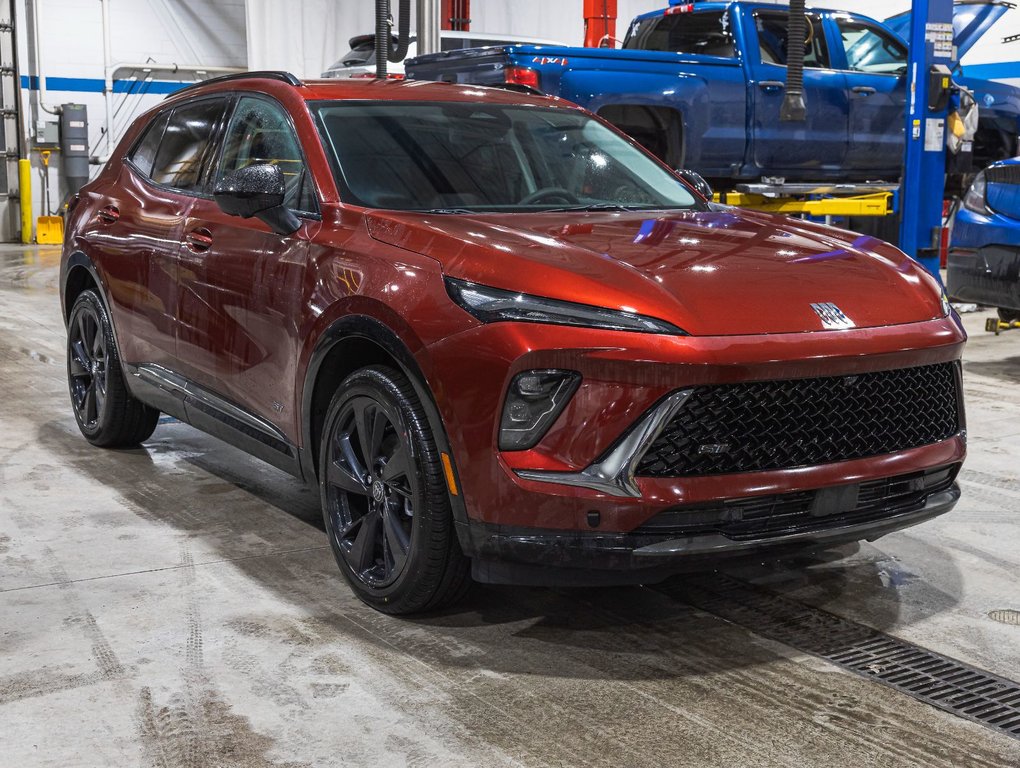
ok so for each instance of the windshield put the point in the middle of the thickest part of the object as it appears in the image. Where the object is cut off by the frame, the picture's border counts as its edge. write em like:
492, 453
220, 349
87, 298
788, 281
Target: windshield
457, 158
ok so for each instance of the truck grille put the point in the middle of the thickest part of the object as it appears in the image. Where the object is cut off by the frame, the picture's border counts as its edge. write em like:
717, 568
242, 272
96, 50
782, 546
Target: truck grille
761, 517
765, 425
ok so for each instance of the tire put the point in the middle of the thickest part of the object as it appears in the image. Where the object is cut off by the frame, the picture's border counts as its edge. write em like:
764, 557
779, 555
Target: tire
1009, 315
384, 497
107, 415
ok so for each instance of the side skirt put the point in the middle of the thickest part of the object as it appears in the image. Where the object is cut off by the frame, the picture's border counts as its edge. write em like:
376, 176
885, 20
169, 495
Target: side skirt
183, 399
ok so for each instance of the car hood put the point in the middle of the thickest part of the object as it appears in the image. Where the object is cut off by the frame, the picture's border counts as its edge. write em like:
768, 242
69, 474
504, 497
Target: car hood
970, 22
718, 272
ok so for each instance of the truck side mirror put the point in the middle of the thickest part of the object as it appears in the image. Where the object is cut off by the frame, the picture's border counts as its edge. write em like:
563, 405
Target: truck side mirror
697, 181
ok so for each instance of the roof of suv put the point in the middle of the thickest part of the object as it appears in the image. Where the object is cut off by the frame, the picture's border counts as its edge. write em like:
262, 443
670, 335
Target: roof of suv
375, 90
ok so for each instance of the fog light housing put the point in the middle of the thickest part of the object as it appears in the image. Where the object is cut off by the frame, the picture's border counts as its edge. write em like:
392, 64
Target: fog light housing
533, 401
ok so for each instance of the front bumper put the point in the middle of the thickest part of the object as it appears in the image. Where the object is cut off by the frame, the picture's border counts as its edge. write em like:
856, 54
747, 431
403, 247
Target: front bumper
580, 558
623, 376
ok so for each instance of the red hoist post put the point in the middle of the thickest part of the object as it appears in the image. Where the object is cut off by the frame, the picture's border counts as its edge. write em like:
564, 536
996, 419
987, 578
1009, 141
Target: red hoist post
600, 23
456, 15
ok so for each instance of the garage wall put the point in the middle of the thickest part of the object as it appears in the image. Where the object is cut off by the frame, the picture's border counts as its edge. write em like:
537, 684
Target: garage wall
183, 32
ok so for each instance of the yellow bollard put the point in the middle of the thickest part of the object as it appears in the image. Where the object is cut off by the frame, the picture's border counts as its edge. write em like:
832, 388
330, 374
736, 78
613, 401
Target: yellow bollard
25, 192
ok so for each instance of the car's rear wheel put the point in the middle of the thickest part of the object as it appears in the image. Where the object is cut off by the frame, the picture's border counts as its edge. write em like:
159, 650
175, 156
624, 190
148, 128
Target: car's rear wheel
384, 496
107, 414
1009, 315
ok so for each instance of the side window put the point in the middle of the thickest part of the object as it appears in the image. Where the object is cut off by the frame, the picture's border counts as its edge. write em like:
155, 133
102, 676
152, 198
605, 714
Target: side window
871, 50
772, 39
179, 160
707, 33
144, 153
260, 132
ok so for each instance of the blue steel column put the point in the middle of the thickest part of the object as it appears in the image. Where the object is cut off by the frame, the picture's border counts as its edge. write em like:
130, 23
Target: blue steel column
924, 169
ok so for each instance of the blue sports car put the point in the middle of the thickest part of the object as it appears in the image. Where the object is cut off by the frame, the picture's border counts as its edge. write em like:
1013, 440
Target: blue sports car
984, 252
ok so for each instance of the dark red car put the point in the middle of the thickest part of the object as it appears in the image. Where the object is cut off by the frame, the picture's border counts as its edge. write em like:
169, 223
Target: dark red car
502, 338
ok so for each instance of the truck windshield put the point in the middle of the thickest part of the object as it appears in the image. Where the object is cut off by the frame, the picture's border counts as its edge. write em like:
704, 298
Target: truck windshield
457, 157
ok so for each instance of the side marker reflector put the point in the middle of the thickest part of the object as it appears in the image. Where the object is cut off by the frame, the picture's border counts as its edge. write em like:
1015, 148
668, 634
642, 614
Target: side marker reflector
448, 470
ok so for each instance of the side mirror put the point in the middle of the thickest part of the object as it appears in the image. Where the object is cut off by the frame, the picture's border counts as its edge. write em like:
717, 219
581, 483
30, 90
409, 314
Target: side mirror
697, 181
257, 190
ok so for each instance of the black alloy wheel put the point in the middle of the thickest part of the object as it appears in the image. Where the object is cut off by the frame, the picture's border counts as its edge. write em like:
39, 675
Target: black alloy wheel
86, 367
385, 501
106, 413
373, 490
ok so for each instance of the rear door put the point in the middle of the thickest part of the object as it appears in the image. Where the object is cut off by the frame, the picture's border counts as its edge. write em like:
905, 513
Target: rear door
139, 228
795, 149
241, 284
875, 64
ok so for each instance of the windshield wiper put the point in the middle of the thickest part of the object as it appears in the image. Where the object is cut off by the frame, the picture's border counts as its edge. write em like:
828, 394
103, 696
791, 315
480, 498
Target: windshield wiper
447, 210
593, 207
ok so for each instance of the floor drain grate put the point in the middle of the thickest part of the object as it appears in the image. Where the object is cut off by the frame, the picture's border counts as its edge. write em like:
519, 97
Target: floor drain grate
1006, 616
930, 677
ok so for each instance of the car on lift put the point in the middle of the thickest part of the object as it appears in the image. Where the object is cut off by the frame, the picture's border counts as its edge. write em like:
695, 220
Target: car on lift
501, 338
360, 60
984, 249
700, 84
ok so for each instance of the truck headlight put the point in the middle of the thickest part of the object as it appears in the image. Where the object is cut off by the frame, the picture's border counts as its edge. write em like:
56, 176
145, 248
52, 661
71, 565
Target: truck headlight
492, 305
533, 401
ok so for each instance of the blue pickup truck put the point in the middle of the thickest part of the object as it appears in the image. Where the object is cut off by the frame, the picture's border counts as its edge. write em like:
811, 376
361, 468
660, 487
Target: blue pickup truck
700, 84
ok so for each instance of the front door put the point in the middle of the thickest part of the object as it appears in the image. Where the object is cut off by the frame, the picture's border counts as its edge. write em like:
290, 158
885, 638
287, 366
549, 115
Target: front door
875, 64
815, 147
241, 286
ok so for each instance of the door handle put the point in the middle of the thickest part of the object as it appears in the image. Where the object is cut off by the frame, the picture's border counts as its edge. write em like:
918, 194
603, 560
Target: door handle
199, 239
108, 214
771, 85
867, 90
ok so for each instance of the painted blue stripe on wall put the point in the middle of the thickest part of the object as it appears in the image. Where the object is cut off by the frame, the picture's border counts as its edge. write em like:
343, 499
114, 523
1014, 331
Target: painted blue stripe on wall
1005, 70
95, 85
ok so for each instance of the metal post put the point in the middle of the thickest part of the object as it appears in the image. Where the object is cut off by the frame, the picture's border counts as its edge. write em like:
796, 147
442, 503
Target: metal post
924, 160
428, 26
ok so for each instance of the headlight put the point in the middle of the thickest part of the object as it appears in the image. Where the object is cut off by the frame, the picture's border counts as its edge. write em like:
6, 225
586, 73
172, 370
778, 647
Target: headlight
492, 305
533, 401
946, 306
974, 200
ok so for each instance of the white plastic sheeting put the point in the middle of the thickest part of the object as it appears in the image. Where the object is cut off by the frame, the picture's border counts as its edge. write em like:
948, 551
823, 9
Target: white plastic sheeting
306, 36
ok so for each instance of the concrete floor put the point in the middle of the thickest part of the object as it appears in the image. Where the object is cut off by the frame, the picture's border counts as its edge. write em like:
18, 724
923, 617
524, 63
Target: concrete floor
177, 606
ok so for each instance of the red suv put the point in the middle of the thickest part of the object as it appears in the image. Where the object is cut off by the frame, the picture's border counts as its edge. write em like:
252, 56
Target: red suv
503, 339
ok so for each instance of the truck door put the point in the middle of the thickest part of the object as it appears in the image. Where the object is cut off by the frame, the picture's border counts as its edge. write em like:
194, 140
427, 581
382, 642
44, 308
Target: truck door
875, 64
804, 150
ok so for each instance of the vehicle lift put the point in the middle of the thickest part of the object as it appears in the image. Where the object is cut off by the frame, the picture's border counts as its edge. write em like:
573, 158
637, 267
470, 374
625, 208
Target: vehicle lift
919, 196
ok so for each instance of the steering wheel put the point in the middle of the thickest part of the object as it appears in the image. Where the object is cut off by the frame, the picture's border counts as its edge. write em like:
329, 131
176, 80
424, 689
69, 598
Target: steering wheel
564, 195
811, 32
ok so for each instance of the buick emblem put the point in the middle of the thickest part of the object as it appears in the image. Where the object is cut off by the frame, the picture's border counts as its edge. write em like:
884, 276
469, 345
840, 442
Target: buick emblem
832, 316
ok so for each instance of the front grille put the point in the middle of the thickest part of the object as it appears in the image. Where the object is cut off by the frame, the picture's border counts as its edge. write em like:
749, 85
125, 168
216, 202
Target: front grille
765, 425
1003, 174
762, 517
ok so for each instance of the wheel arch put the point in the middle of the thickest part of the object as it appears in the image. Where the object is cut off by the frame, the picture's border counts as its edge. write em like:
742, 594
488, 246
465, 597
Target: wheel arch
659, 129
348, 344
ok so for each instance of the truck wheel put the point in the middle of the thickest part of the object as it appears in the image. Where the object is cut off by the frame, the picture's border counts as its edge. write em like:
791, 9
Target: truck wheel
107, 414
384, 496
1009, 315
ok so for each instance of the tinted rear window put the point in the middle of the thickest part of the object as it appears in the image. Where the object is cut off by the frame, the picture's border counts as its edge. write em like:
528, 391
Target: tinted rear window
145, 150
706, 33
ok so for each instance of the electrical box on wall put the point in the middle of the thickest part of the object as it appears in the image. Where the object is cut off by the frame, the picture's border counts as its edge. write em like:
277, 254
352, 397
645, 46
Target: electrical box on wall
74, 145
47, 134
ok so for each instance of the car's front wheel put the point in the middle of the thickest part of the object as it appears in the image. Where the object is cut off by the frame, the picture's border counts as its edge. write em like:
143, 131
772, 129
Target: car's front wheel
384, 496
107, 414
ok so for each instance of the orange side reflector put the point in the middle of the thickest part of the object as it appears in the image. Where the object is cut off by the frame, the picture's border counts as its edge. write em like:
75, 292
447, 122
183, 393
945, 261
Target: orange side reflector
448, 469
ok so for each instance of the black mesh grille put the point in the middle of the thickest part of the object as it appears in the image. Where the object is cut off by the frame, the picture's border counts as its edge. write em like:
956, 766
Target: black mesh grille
761, 517
802, 422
